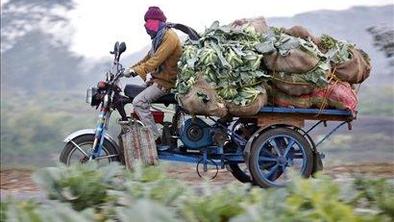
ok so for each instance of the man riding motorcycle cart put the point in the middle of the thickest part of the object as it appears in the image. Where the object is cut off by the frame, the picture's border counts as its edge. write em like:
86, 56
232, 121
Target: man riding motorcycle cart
261, 148
161, 62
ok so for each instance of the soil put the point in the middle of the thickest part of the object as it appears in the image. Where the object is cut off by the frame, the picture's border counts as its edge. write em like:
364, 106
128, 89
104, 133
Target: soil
19, 183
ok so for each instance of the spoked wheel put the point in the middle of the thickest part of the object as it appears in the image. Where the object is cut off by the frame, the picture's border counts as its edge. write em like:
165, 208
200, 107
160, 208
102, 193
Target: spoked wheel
79, 152
208, 172
275, 153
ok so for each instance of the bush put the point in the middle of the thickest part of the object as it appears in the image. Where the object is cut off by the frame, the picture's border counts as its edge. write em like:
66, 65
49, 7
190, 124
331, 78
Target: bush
92, 193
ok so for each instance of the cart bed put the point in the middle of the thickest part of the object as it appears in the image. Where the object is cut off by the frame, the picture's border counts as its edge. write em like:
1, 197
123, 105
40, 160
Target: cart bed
270, 115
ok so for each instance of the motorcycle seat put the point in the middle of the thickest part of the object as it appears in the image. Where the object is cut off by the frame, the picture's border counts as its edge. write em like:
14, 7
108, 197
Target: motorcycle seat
132, 91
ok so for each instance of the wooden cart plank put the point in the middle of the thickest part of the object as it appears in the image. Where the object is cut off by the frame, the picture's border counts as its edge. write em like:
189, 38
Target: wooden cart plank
269, 116
269, 120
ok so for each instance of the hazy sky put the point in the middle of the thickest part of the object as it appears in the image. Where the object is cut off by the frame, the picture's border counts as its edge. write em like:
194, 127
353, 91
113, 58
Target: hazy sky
98, 24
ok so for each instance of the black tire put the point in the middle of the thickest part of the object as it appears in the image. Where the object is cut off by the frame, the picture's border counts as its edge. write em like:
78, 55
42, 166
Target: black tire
235, 168
238, 173
69, 149
263, 142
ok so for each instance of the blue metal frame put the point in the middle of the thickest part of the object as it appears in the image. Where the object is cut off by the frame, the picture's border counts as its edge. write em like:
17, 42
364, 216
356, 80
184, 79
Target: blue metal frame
286, 110
222, 159
327, 135
99, 134
330, 133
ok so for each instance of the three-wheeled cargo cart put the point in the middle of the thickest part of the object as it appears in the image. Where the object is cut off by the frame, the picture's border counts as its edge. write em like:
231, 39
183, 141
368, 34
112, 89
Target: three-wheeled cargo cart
261, 149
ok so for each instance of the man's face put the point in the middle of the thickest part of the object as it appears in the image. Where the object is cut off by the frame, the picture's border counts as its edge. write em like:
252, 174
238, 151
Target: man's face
151, 27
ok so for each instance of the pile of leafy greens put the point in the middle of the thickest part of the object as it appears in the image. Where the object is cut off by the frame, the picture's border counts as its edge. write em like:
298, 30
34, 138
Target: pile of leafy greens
317, 76
228, 60
337, 51
276, 40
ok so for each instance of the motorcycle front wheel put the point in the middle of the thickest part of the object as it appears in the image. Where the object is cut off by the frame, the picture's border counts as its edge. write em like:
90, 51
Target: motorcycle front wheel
78, 151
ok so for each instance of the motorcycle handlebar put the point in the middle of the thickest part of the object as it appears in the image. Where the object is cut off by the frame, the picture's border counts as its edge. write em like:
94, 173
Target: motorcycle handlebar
118, 75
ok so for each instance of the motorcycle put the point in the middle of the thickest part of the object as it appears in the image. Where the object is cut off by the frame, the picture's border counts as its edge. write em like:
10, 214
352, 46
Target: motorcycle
210, 143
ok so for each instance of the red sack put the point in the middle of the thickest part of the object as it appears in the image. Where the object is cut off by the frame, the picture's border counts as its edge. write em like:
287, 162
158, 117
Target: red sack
279, 98
339, 95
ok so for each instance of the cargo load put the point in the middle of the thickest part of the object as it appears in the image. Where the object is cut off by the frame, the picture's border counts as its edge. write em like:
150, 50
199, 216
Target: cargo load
349, 64
286, 53
337, 95
231, 69
202, 99
227, 63
259, 24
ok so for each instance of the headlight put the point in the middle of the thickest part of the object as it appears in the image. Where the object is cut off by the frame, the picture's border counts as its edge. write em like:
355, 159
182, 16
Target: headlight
88, 98
92, 96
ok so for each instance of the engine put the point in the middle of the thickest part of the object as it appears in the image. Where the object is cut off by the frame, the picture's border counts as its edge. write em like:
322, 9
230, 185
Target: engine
196, 134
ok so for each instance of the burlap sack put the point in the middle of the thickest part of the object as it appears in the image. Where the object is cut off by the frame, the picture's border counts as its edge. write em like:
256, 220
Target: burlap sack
297, 61
355, 70
301, 32
338, 95
250, 109
279, 98
212, 105
258, 23
292, 85
138, 145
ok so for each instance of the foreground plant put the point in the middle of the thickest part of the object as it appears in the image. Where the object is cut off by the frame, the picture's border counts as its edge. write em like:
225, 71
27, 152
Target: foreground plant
92, 193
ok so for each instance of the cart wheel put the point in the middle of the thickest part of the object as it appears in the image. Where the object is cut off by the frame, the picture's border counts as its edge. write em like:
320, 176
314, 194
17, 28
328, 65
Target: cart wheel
240, 171
205, 172
275, 153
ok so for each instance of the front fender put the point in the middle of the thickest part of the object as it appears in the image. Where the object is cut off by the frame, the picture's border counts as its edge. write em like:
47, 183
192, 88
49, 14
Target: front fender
91, 132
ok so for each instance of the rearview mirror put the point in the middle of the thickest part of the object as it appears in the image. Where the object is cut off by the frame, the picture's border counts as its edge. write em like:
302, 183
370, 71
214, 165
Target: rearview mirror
116, 47
122, 47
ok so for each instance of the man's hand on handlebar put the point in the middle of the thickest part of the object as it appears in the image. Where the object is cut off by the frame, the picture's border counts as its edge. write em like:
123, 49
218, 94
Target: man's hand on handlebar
129, 72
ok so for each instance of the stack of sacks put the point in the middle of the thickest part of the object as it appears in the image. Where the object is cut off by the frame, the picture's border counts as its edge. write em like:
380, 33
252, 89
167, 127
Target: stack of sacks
328, 84
229, 70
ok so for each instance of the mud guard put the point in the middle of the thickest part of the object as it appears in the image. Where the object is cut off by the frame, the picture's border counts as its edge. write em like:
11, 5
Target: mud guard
317, 162
92, 132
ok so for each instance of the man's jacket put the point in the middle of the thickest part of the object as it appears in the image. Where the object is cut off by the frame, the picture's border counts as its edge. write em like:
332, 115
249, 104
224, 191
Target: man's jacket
162, 64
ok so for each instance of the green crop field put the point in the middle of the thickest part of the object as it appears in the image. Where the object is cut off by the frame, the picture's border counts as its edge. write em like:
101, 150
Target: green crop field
110, 193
